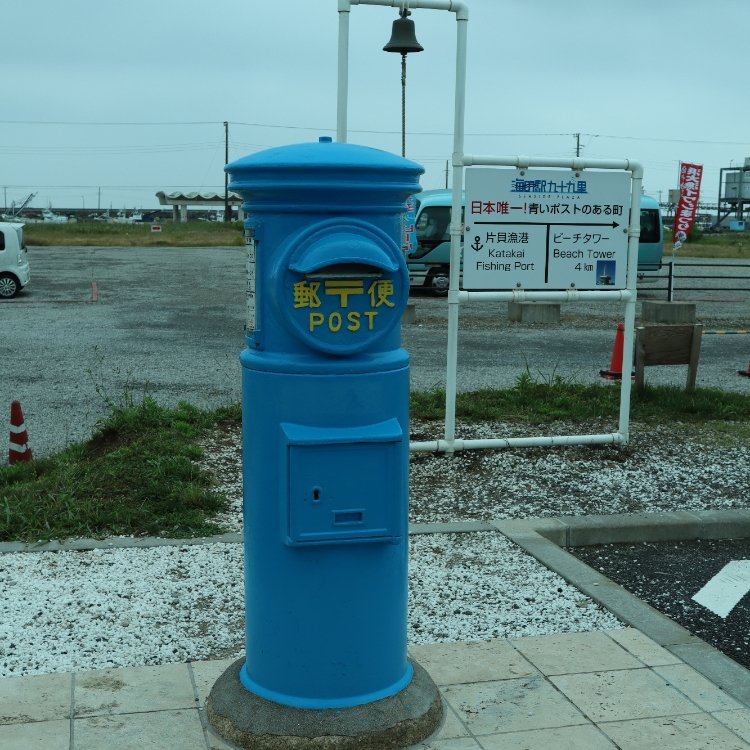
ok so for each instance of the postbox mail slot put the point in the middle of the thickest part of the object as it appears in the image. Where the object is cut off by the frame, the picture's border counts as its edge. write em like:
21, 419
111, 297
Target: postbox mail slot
346, 271
347, 517
342, 483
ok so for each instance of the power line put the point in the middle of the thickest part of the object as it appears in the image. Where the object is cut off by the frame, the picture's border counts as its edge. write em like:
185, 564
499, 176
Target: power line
668, 140
276, 126
273, 126
66, 150
103, 187
90, 122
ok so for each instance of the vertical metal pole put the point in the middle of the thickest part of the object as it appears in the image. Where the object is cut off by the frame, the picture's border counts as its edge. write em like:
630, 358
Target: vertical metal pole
403, 104
634, 232
670, 286
456, 232
669, 281
227, 212
674, 234
343, 71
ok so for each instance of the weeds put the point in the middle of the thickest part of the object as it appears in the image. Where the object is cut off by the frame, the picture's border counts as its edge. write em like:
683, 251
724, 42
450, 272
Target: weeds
559, 399
188, 234
138, 474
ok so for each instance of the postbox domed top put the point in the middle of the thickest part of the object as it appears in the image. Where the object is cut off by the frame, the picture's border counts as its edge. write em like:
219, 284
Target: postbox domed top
322, 154
305, 169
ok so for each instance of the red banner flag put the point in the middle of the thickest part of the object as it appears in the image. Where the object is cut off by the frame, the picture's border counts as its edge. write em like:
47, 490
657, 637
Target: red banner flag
690, 188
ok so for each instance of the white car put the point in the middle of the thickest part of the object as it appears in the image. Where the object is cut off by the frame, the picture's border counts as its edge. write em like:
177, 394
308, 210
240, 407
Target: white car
14, 262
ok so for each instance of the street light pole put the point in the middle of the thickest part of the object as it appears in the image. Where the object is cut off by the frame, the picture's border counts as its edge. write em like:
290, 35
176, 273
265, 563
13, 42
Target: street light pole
227, 210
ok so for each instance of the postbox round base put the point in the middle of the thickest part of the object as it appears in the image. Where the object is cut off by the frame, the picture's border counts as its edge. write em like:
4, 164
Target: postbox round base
255, 723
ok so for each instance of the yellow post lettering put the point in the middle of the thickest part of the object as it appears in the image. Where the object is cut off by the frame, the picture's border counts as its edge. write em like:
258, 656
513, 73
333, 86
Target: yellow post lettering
334, 322
371, 315
354, 322
316, 319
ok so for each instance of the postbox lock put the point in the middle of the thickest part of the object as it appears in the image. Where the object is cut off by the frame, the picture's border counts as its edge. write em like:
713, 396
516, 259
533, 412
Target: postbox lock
343, 285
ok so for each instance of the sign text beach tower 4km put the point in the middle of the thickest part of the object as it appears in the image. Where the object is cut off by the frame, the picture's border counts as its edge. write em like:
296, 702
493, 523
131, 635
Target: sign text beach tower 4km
325, 388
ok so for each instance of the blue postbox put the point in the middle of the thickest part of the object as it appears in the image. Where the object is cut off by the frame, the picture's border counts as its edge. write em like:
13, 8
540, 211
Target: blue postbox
325, 395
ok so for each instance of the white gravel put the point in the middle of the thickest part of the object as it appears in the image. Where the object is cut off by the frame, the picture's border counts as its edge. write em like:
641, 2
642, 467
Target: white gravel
71, 611
664, 468
66, 611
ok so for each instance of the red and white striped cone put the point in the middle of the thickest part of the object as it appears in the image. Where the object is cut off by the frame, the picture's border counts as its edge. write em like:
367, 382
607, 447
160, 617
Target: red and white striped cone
19, 451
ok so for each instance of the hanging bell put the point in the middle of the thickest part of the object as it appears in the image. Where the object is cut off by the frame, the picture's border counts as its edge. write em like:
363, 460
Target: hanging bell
403, 38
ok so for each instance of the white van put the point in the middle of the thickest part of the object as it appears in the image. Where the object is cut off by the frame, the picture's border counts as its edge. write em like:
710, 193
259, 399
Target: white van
14, 262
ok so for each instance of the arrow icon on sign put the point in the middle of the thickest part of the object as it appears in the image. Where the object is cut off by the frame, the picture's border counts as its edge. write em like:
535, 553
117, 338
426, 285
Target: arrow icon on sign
612, 224
723, 592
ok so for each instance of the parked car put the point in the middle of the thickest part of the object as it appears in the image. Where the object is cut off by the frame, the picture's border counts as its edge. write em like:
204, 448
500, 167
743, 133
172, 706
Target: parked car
14, 262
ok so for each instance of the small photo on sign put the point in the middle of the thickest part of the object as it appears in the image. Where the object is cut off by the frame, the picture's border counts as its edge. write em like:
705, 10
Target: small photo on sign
605, 272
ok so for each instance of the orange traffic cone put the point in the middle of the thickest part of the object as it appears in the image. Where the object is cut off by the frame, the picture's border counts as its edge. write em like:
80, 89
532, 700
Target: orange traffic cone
19, 439
615, 364
744, 373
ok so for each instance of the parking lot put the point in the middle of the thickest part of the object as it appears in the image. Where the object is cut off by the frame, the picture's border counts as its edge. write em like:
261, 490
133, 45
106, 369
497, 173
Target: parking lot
98, 326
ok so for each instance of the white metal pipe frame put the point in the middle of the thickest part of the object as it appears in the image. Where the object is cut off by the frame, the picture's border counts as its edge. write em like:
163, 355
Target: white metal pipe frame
626, 297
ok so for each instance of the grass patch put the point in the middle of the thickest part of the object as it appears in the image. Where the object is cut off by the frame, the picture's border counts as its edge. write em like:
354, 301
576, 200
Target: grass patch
728, 245
135, 476
216, 234
189, 234
534, 402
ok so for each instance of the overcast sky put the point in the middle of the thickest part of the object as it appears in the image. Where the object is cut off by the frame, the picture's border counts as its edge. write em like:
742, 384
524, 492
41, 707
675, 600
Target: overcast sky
105, 103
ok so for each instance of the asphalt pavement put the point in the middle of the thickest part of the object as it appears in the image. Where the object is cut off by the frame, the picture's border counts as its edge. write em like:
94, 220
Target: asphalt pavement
98, 326
667, 575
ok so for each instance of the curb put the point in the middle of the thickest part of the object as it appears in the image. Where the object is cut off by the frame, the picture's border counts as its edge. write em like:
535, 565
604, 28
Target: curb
115, 542
564, 531
544, 538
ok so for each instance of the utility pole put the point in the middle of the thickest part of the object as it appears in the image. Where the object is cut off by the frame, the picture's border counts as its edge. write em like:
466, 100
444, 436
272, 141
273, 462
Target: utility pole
446, 174
227, 211
578, 144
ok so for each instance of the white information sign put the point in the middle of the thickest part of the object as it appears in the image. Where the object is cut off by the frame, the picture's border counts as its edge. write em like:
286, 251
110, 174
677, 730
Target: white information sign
250, 290
408, 230
545, 229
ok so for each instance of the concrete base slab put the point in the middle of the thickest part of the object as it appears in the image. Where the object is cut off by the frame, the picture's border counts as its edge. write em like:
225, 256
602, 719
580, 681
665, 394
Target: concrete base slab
534, 312
409, 315
252, 722
654, 311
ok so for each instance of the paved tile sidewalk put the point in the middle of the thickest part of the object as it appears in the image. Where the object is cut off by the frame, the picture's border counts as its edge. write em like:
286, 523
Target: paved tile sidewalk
581, 691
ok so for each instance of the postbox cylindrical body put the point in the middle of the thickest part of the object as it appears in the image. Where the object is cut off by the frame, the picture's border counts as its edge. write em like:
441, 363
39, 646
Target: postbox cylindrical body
325, 393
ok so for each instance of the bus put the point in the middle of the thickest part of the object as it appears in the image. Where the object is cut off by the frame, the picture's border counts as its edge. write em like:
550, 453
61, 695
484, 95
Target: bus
429, 262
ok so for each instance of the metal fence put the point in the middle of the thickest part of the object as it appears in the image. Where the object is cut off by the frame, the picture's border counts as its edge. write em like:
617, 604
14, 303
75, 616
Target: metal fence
680, 276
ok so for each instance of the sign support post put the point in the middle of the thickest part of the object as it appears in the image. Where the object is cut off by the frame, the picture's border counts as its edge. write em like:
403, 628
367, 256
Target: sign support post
626, 295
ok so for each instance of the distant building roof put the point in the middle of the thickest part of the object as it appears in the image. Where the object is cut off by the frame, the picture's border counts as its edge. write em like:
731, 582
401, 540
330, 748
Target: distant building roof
196, 199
